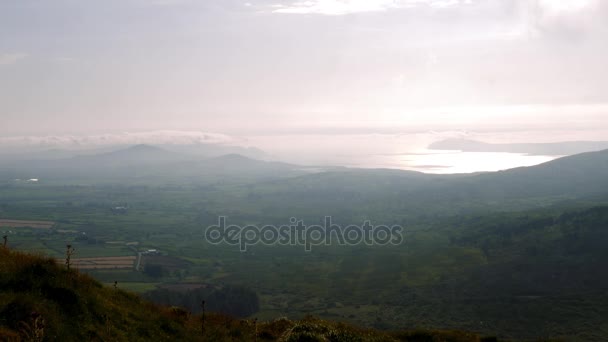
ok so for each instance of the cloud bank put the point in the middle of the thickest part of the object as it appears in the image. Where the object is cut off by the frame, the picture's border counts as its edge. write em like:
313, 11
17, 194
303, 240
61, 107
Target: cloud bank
341, 7
11, 144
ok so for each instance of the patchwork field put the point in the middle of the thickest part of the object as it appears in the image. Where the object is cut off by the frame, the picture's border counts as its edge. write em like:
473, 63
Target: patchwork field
182, 287
26, 224
102, 263
544, 265
168, 263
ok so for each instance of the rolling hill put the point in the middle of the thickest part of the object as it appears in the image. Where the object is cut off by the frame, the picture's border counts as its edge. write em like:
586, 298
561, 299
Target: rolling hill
145, 164
565, 148
41, 301
402, 196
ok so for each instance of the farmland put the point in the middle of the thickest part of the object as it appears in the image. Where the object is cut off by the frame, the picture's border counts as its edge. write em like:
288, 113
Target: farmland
102, 263
4, 223
392, 286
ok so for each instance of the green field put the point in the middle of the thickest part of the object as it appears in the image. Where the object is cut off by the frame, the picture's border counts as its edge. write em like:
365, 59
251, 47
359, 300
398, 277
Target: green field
514, 267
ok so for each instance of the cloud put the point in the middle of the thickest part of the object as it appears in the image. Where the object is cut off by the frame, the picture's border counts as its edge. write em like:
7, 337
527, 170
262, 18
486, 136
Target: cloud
560, 6
11, 58
164, 137
163, 2
569, 19
341, 7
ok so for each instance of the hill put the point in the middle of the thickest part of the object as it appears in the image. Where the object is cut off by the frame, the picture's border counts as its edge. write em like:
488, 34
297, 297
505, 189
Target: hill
575, 176
552, 149
541, 274
145, 164
404, 195
138, 154
41, 301
585, 173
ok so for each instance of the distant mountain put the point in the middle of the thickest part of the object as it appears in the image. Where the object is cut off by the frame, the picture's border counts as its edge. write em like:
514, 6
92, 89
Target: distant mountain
239, 161
195, 149
138, 154
231, 158
232, 168
551, 149
394, 194
151, 165
216, 150
585, 173
571, 177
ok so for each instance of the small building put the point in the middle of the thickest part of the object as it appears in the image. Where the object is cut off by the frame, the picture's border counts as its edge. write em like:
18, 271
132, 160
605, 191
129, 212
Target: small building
151, 252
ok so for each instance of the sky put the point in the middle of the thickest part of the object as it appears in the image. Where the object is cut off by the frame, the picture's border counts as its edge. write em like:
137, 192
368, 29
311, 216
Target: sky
271, 68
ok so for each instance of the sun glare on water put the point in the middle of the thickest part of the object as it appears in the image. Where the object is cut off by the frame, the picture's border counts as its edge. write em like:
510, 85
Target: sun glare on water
467, 162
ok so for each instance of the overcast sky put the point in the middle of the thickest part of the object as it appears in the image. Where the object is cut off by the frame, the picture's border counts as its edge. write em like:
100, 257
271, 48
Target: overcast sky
315, 66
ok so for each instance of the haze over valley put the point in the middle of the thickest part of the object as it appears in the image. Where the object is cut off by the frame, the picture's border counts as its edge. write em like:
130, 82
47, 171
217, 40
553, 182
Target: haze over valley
320, 170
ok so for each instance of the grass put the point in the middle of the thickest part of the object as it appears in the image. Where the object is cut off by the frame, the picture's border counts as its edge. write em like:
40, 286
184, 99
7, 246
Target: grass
137, 287
417, 284
42, 301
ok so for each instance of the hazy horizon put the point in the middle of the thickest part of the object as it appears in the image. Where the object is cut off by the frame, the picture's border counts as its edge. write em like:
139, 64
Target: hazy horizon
323, 81
416, 151
304, 170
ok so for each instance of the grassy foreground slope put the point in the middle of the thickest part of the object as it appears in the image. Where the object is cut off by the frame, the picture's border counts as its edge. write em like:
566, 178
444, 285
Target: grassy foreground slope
41, 301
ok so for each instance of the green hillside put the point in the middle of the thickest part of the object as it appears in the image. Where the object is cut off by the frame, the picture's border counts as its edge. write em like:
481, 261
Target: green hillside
519, 254
42, 301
